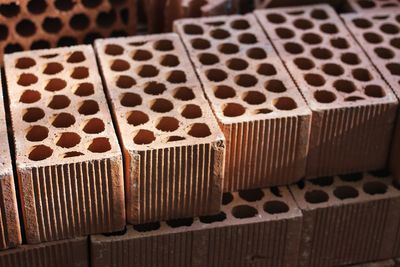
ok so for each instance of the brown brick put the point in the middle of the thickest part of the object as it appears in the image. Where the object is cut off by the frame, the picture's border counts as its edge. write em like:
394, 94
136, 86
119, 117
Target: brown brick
173, 147
255, 227
265, 120
384, 263
372, 5
69, 163
353, 108
347, 219
65, 253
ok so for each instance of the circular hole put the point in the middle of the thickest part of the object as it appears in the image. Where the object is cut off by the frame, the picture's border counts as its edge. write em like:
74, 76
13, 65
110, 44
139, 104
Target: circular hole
322, 181
256, 53
162, 105
176, 76
94, 126
40, 44
40, 152
304, 63
220, 34
136, 118
154, 88
374, 91
390, 28
254, 98
4, 34
76, 57
284, 33
37, 6
324, 96
216, 75
191, 111
27, 79
395, 42
311, 38
293, 48
333, 69
344, 86
167, 124
319, 14
33, 114
244, 211
10, 48
240, 24
208, 59
91, 3
131, 100
251, 195
55, 84
228, 48
362, 74
80, 73
266, 69
193, 29
52, 25
321, 53
106, 19
262, 111
164, 45
68, 140
233, 110
314, 79
84, 89
114, 50
373, 38
362, 23
375, 188
316, 196
125, 82
394, 68
345, 192
303, 24
284, 103
276, 18
180, 222
384, 53
64, 5
220, 217
184, 94
144, 137
100, 145
29, 96
170, 61
37, 133
329, 28
237, 64
120, 65
25, 63
200, 44
142, 55
246, 80
340, 43
224, 92
53, 68
88, 107
91, 37
67, 41
351, 177
59, 102
353, 98
247, 38
175, 138
276, 207
350, 58
227, 198
79, 22
148, 71
63, 120
147, 227
9, 10
275, 86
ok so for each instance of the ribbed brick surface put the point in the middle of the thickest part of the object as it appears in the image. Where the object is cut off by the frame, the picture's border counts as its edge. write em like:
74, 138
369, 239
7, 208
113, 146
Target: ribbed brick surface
353, 108
347, 219
254, 228
69, 163
372, 5
264, 118
173, 147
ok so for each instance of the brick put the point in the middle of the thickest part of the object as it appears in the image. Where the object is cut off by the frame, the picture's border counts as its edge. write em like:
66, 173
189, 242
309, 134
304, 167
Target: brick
385, 263
173, 147
256, 227
260, 4
69, 163
372, 5
65, 253
353, 109
265, 120
347, 219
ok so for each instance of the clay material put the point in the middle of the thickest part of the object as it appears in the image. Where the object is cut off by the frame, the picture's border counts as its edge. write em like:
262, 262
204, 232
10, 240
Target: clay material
372, 5
69, 163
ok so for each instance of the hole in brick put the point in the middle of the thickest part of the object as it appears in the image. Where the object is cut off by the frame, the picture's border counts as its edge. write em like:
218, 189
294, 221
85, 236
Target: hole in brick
29, 96
200, 44
55, 85
373, 38
191, 111
321, 53
176, 76
79, 22
216, 75
333, 69
37, 133
220, 34
120, 65
247, 38
224, 92
319, 14
72, 154
215, 23
9, 48
314, 79
64, 5
142, 55
395, 42
162, 105
100, 145
147, 227
362, 23
53, 68
344, 86
37, 6
353, 98
52, 25
362, 74
276, 18
256, 53
184, 94
246, 80
266, 69
40, 44
131, 100
94, 126
59, 102
154, 88
351, 177
254, 98
284, 33
227, 198
329, 28
84, 89
170, 61
300, 184
350, 58
9, 10
244, 211
193, 29
275, 207
164, 45
180, 222
125, 82
374, 91
148, 71
294, 48
345, 192
275, 86
396, 184
175, 138
304, 63
220, 217
303, 24
136, 118
68, 140
240, 24
91, 3
316, 196
27, 79
25, 63
394, 68
47, 56
167, 124
384, 53
251, 195
88, 107
91, 37
199, 130
33, 114
228, 48
114, 50
63, 120
311, 38
237, 64
381, 173
233, 110
324, 96
284, 103
40, 152
262, 111
375, 188
76, 57
137, 44
389, 28
322, 181
208, 59
340, 43
80, 73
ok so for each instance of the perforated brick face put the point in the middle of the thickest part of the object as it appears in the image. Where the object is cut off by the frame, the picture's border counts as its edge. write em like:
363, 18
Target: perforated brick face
69, 162
39, 24
255, 227
174, 149
372, 5
264, 118
359, 211
353, 108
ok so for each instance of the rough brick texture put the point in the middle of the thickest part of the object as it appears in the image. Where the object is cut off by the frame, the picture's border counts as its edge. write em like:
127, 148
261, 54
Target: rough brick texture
69, 163
353, 108
372, 5
173, 147
348, 219
65, 253
254, 228
264, 118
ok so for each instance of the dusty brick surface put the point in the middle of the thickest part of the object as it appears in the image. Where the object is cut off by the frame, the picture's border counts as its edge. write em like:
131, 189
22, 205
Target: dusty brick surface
348, 219
264, 118
372, 5
65, 253
353, 108
254, 228
69, 163
173, 147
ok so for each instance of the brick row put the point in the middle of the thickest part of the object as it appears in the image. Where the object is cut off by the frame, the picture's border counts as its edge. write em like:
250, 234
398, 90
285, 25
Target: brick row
360, 6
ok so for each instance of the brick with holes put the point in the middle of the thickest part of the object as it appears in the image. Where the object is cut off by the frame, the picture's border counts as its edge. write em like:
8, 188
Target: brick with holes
361, 6
348, 219
263, 116
69, 163
173, 147
353, 108
255, 227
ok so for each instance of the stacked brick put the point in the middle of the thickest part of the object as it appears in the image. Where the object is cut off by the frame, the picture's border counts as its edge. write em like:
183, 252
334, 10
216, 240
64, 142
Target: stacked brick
353, 108
173, 147
69, 163
260, 4
254, 228
372, 5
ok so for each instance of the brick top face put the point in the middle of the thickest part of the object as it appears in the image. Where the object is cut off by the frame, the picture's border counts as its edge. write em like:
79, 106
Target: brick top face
58, 107
364, 5
156, 97
242, 75
5, 159
379, 33
328, 65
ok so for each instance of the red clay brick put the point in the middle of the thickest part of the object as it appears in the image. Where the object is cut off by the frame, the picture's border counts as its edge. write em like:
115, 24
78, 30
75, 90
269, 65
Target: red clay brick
264, 118
347, 219
372, 5
69, 163
353, 108
173, 147
256, 227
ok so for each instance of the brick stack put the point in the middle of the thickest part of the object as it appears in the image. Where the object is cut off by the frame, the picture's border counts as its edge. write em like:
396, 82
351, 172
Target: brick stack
361, 6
